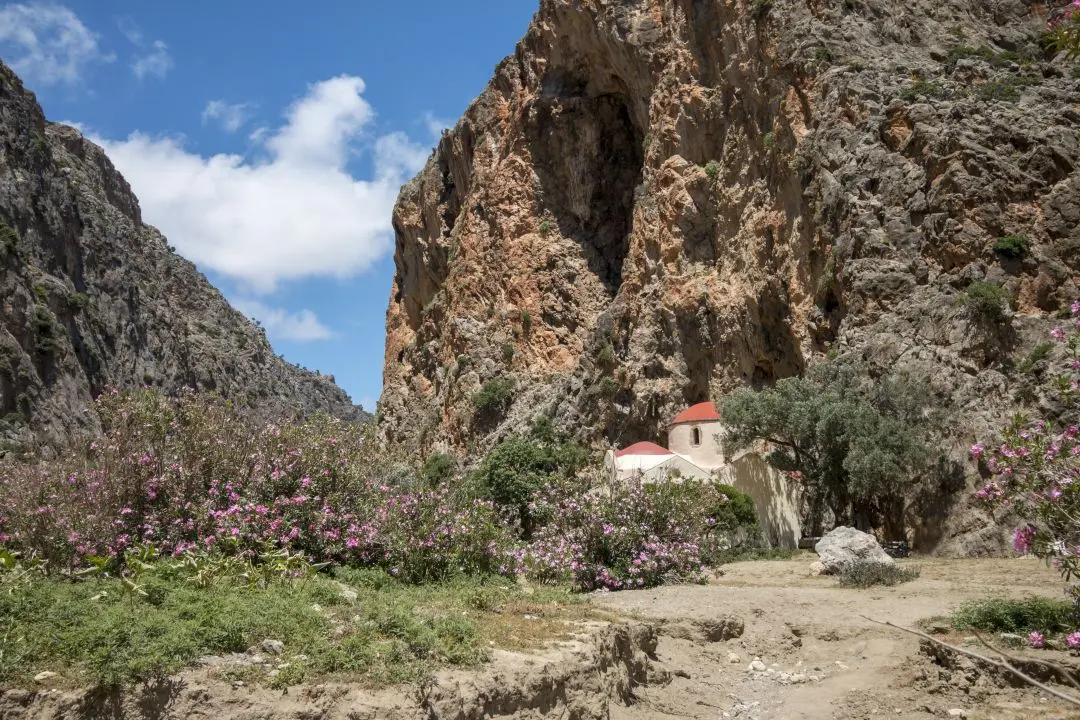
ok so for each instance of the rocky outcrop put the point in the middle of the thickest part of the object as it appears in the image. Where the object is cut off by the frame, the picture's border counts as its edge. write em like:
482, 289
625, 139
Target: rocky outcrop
92, 297
657, 201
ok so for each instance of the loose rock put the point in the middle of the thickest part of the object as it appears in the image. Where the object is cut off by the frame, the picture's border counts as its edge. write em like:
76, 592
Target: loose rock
845, 545
273, 647
44, 676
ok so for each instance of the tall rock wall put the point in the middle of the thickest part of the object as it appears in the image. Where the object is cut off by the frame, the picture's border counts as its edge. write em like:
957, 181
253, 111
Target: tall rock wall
657, 201
91, 297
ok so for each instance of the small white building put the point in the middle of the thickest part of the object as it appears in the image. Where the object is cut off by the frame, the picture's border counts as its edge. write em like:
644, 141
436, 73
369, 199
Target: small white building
696, 451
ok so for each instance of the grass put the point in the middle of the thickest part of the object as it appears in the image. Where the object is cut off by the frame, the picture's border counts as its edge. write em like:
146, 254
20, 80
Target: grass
1014, 615
93, 632
745, 554
872, 574
1036, 356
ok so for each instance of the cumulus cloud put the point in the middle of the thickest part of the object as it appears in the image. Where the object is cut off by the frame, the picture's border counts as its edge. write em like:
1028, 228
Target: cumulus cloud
47, 44
435, 125
156, 63
294, 212
302, 326
231, 117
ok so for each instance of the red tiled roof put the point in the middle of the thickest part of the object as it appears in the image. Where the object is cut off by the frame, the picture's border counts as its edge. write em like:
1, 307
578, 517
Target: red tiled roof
643, 448
702, 412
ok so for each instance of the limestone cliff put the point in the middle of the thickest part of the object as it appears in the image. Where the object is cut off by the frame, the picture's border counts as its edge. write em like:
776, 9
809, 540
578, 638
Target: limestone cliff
657, 201
92, 297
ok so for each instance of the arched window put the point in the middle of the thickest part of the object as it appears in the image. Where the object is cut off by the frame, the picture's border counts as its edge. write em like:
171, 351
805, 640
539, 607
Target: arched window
695, 436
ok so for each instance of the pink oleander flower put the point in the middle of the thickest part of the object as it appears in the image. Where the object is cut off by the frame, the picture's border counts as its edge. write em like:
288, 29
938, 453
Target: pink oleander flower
977, 450
1022, 539
1036, 640
1058, 334
1072, 640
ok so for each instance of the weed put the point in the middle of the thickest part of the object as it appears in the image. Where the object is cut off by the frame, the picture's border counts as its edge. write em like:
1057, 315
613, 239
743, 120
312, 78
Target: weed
507, 352
545, 228
1037, 355
920, 89
526, 322
1000, 614
870, 574
712, 170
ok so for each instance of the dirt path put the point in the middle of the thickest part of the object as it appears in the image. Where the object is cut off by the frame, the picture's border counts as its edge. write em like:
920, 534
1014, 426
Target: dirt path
823, 660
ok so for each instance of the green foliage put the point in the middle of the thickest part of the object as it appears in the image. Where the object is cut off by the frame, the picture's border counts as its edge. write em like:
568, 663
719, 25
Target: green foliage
870, 574
712, 170
545, 228
77, 301
41, 292
494, 396
1007, 89
986, 302
463, 361
45, 336
1012, 246
526, 322
507, 351
769, 139
605, 355
520, 466
438, 468
921, 89
855, 443
823, 54
390, 633
1064, 36
1001, 614
1037, 355
760, 8
9, 237
606, 387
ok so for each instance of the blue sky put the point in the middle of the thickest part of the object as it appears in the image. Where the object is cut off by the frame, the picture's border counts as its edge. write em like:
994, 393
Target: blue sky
268, 140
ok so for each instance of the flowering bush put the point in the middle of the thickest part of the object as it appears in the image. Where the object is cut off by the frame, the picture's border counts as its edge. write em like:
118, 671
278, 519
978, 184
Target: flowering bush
1064, 30
188, 472
627, 535
1036, 469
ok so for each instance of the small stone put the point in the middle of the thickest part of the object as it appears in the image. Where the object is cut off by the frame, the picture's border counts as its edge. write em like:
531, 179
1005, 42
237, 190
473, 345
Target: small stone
817, 568
349, 595
756, 666
958, 712
274, 647
770, 671
784, 677
798, 678
841, 665
43, 676
733, 658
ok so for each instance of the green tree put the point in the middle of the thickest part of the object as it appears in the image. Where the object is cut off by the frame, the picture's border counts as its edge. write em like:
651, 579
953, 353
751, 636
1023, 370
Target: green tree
857, 444
438, 468
520, 466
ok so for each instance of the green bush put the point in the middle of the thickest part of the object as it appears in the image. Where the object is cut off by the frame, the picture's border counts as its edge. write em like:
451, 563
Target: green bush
605, 356
920, 89
545, 228
1015, 615
438, 468
507, 351
77, 301
712, 170
1037, 355
494, 396
9, 237
1013, 246
526, 322
870, 574
986, 302
606, 387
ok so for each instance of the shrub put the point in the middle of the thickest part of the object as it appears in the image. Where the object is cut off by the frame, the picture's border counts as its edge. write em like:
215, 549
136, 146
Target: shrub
626, 535
606, 387
526, 323
494, 396
438, 468
191, 472
869, 574
1014, 615
986, 302
77, 301
507, 351
605, 356
9, 237
1036, 356
545, 228
920, 89
712, 170
768, 140
1012, 246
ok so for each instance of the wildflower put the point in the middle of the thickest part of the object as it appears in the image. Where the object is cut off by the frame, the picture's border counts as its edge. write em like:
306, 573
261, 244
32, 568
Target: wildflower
1072, 640
1036, 640
1058, 334
977, 450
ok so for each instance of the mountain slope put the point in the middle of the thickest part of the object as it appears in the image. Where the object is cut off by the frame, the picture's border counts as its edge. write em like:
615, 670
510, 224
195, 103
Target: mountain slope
91, 297
657, 201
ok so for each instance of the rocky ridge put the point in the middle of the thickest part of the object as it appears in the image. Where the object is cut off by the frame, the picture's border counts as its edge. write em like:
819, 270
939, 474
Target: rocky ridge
657, 201
91, 297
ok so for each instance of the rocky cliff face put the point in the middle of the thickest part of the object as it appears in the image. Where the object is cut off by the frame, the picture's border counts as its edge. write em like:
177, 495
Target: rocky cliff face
91, 297
657, 201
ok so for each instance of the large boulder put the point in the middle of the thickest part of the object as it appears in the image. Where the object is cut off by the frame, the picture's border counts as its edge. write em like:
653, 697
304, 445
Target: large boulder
846, 545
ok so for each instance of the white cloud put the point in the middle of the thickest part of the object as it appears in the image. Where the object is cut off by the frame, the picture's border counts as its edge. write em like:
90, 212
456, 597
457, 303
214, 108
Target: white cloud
436, 125
296, 212
46, 43
231, 117
157, 63
302, 326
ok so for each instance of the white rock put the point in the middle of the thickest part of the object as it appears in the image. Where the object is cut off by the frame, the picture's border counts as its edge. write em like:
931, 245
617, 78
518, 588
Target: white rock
841, 665
274, 647
817, 568
958, 712
846, 545
756, 666
798, 678
733, 658
43, 676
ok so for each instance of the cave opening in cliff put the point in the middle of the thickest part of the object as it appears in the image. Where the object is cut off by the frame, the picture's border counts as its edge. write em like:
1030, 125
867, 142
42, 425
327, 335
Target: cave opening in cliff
588, 156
